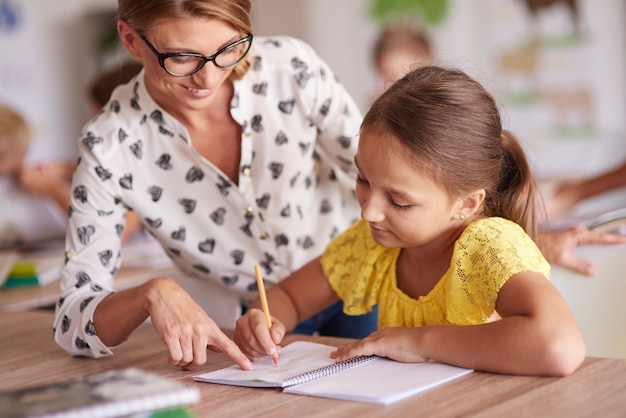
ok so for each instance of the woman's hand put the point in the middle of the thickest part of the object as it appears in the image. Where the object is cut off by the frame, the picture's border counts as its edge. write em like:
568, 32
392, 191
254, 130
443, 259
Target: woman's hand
253, 336
186, 329
400, 344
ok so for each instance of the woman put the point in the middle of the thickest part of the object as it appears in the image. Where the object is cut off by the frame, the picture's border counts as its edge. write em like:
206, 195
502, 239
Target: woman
233, 150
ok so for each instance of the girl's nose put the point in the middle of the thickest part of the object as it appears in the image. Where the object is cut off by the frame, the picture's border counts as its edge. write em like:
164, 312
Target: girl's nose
370, 211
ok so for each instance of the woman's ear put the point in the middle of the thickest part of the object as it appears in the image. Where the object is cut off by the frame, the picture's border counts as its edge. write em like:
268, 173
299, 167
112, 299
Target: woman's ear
470, 204
129, 38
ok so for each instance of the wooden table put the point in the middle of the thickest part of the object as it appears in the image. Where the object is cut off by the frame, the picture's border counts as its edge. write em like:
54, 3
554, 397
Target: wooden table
20, 298
29, 356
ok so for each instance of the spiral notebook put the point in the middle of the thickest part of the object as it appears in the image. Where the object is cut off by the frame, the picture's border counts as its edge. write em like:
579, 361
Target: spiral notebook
305, 368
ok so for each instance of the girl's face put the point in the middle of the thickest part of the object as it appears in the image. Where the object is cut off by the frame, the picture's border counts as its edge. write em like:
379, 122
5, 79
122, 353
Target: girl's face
404, 207
191, 35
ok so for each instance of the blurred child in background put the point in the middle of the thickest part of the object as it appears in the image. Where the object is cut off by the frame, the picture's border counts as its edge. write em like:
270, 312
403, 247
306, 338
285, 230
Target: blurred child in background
34, 198
397, 49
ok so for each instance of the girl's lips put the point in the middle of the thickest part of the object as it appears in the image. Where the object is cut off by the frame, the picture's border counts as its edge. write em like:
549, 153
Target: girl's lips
376, 230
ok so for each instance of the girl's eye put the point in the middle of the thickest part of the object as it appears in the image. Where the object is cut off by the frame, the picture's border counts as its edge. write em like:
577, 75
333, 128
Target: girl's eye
398, 206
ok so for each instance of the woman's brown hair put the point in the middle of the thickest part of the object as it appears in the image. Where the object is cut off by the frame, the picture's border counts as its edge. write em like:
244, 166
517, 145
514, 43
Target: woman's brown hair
452, 126
145, 15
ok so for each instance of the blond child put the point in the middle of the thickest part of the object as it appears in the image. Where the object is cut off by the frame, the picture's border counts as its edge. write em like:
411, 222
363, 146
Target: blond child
444, 246
35, 197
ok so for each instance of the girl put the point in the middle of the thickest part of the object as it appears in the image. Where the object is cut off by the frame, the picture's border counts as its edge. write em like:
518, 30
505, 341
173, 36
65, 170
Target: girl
445, 242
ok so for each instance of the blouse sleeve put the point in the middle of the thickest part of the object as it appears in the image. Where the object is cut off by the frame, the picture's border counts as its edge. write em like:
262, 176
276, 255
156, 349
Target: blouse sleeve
334, 113
93, 242
355, 267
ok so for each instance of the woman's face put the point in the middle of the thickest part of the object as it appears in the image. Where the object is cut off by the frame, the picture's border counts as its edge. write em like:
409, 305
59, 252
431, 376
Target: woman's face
194, 92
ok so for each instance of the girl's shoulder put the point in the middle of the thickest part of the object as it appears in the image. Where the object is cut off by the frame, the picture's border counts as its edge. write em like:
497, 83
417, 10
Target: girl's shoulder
502, 240
494, 229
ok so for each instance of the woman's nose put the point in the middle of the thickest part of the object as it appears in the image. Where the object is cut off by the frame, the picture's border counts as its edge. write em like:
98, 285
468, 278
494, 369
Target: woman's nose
208, 76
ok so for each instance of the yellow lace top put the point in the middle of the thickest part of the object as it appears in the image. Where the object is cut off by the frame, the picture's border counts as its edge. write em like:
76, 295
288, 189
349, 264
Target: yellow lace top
488, 252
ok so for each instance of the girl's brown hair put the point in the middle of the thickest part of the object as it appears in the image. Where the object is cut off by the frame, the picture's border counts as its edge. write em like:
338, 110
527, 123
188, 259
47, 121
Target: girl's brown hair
452, 126
145, 15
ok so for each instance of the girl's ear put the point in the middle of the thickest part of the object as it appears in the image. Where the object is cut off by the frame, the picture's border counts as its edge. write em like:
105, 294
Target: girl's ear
470, 204
129, 39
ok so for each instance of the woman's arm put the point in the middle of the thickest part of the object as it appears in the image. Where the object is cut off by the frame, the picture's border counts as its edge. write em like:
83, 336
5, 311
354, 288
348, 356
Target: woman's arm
181, 323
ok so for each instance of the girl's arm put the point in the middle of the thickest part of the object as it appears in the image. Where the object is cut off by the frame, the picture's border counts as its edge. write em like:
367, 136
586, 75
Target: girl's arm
298, 297
537, 335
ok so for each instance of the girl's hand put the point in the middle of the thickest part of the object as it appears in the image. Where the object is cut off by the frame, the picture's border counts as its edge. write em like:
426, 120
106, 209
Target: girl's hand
253, 336
400, 344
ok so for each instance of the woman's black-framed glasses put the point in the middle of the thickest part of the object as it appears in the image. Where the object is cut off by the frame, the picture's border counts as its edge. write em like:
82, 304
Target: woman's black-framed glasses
181, 64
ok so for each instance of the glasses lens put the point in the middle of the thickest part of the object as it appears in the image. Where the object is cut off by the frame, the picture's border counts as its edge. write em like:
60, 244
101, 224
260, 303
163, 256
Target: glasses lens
233, 54
183, 64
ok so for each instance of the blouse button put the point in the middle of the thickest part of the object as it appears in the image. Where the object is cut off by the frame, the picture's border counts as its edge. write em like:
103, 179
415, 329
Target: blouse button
248, 134
246, 172
264, 236
103, 352
249, 209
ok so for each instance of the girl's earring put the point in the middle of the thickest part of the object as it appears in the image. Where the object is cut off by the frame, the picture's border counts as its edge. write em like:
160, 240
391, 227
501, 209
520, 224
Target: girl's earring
461, 217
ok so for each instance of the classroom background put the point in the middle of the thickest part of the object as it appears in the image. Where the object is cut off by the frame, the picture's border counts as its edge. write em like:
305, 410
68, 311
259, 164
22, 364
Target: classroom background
558, 68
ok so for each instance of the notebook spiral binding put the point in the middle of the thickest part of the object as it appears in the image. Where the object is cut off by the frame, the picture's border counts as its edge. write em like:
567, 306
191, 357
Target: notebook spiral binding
327, 370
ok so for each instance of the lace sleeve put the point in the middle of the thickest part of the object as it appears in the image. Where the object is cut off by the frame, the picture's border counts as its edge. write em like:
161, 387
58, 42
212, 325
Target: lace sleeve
355, 267
488, 253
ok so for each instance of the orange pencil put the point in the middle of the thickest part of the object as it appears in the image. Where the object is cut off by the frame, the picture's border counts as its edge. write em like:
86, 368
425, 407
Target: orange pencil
266, 308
